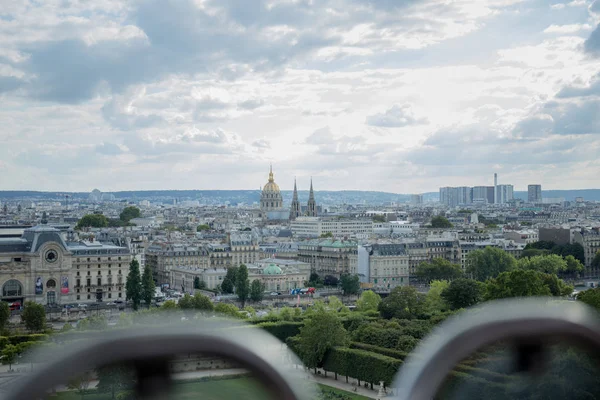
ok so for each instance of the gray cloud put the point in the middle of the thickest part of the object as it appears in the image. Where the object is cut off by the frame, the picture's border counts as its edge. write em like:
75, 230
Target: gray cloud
109, 149
592, 44
581, 91
251, 104
261, 144
396, 117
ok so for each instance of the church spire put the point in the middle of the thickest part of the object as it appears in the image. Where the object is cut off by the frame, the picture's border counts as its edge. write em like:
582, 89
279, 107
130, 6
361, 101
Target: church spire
295, 208
271, 179
312, 204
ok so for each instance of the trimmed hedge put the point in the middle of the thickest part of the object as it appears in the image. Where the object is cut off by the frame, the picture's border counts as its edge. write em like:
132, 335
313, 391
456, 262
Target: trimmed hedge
363, 365
399, 355
282, 330
18, 339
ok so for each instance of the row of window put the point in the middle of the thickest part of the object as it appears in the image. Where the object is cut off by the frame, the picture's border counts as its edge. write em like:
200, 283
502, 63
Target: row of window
89, 259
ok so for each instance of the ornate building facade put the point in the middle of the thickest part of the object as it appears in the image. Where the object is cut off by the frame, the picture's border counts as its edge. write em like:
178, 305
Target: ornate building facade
47, 267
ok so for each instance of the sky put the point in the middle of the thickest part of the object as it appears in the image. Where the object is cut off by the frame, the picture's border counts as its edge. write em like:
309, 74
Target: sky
401, 96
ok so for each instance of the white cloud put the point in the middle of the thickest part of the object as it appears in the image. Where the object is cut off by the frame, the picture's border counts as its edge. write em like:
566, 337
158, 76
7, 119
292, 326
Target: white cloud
387, 95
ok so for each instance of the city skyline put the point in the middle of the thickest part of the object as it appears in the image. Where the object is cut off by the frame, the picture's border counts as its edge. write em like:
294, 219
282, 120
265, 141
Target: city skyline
358, 95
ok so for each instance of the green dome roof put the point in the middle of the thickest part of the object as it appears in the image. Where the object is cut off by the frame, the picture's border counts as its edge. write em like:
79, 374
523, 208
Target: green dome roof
272, 269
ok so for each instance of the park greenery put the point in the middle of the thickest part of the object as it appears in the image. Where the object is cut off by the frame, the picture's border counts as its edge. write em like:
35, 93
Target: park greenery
440, 221
368, 344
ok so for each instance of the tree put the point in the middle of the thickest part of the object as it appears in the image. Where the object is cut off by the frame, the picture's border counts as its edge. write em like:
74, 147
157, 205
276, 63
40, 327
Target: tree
129, 213
590, 297
350, 284
434, 302
403, 302
227, 285
321, 332
542, 244
169, 305
596, 261
314, 279
378, 218
368, 301
439, 269
256, 290
335, 304
330, 280
489, 263
463, 293
186, 302
230, 280
202, 302
197, 282
574, 266
549, 264
34, 316
4, 314
570, 249
133, 287
81, 383
440, 222
525, 283
202, 227
9, 355
227, 309
534, 252
148, 288
113, 379
242, 285
326, 235
93, 221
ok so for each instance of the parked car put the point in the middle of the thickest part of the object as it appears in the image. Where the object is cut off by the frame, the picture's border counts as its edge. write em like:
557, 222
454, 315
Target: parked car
275, 294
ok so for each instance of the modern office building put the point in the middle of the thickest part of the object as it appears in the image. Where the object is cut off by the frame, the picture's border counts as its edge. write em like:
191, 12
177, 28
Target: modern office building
534, 193
504, 193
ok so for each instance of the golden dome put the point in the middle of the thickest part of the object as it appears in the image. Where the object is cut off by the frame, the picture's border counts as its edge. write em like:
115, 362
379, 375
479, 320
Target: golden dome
271, 186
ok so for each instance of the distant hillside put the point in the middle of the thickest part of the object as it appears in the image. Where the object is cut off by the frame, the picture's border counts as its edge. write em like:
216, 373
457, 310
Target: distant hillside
251, 196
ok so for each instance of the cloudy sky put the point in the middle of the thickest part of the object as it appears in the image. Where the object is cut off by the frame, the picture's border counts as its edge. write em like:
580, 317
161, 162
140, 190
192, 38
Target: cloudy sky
393, 95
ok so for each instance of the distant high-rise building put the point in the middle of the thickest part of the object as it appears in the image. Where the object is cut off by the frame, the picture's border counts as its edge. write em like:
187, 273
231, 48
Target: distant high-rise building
495, 188
416, 199
534, 193
481, 193
504, 193
453, 196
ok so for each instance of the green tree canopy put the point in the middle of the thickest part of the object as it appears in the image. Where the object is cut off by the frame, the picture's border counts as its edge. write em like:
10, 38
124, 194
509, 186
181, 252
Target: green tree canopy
34, 316
368, 301
198, 284
148, 288
9, 355
534, 252
242, 284
227, 309
542, 245
570, 249
202, 302
350, 284
4, 314
489, 263
114, 379
525, 283
129, 213
93, 221
133, 287
256, 290
202, 227
403, 302
549, 264
440, 221
574, 266
186, 302
229, 282
596, 261
321, 332
439, 269
326, 235
590, 297
434, 302
463, 293
378, 218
